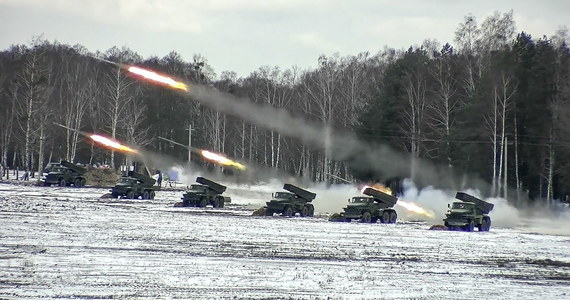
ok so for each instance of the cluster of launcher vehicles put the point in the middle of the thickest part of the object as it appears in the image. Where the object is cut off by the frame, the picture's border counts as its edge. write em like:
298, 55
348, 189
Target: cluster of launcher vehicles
466, 214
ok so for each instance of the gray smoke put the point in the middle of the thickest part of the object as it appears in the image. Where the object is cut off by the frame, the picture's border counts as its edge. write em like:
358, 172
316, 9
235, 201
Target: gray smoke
343, 146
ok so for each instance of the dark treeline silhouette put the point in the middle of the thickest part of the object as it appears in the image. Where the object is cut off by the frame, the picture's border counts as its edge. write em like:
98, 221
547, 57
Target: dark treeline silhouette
495, 104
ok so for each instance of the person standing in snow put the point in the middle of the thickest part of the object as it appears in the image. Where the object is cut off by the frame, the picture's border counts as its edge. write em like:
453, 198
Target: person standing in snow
159, 180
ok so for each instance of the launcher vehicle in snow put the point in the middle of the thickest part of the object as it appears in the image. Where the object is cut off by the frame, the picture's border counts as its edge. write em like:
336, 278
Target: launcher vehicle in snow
295, 200
205, 193
468, 213
65, 174
378, 206
135, 185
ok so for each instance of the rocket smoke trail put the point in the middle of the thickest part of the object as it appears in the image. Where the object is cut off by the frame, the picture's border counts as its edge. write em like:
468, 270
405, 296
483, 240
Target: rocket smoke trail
346, 146
343, 146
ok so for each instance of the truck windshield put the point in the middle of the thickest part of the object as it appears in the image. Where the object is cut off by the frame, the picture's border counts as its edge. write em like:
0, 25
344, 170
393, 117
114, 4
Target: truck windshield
198, 188
281, 195
127, 180
359, 200
458, 205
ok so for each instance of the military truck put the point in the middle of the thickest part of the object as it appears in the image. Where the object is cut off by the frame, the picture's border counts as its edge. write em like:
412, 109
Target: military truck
468, 213
369, 209
205, 193
135, 185
64, 174
296, 200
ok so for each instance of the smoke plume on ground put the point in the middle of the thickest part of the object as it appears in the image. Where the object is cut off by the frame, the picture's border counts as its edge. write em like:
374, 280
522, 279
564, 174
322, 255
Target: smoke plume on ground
332, 199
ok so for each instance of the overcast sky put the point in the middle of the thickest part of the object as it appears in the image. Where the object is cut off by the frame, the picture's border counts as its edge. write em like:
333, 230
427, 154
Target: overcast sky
244, 35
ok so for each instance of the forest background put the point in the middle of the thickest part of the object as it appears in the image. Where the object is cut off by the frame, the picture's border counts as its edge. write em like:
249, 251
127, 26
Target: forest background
494, 103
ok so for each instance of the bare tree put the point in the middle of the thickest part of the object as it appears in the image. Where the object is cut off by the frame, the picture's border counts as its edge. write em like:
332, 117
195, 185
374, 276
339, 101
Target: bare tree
496, 120
322, 89
7, 121
76, 100
119, 92
445, 103
415, 87
32, 90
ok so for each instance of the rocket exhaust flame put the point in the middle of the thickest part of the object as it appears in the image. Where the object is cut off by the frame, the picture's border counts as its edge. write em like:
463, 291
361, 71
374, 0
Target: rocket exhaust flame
220, 159
153, 76
410, 206
209, 155
107, 142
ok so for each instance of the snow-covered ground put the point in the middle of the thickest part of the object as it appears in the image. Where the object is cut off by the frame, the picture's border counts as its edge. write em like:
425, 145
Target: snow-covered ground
69, 243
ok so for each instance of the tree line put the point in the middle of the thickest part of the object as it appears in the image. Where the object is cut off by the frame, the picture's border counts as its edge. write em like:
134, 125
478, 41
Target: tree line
493, 103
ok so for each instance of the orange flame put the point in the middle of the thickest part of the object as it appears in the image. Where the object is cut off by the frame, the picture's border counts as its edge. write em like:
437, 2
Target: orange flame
150, 75
410, 206
220, 159
107, 142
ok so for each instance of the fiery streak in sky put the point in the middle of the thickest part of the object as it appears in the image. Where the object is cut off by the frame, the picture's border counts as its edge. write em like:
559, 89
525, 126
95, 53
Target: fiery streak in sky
109, 143
153, 76
220, 159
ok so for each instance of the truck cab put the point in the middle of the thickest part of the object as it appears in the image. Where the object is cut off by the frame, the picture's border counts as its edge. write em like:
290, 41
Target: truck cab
64, 174
288, 204
369, 210
467, 214
133, 186
377, 205
205, 193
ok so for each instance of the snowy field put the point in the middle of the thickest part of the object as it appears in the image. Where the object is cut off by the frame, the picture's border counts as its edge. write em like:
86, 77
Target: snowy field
69, 243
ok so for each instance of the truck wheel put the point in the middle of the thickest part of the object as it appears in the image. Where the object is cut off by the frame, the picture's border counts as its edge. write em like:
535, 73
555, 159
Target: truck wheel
62, 182
311, 209
393, 217
152, 194
82, 182
185, 203
470, 226
385, 217
222, 202
146, 195
77, 183
203, 202
130, 195
269, 212
487, 223
366, 217
304, 211
287, 212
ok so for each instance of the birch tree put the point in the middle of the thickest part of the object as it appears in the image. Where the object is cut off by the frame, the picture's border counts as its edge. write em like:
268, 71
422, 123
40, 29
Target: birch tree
119, 92
32, 89
322, 89
444, 103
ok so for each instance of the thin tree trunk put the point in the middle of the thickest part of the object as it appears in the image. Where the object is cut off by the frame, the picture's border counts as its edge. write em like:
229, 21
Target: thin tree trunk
41, 148
494, 132
550, 173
